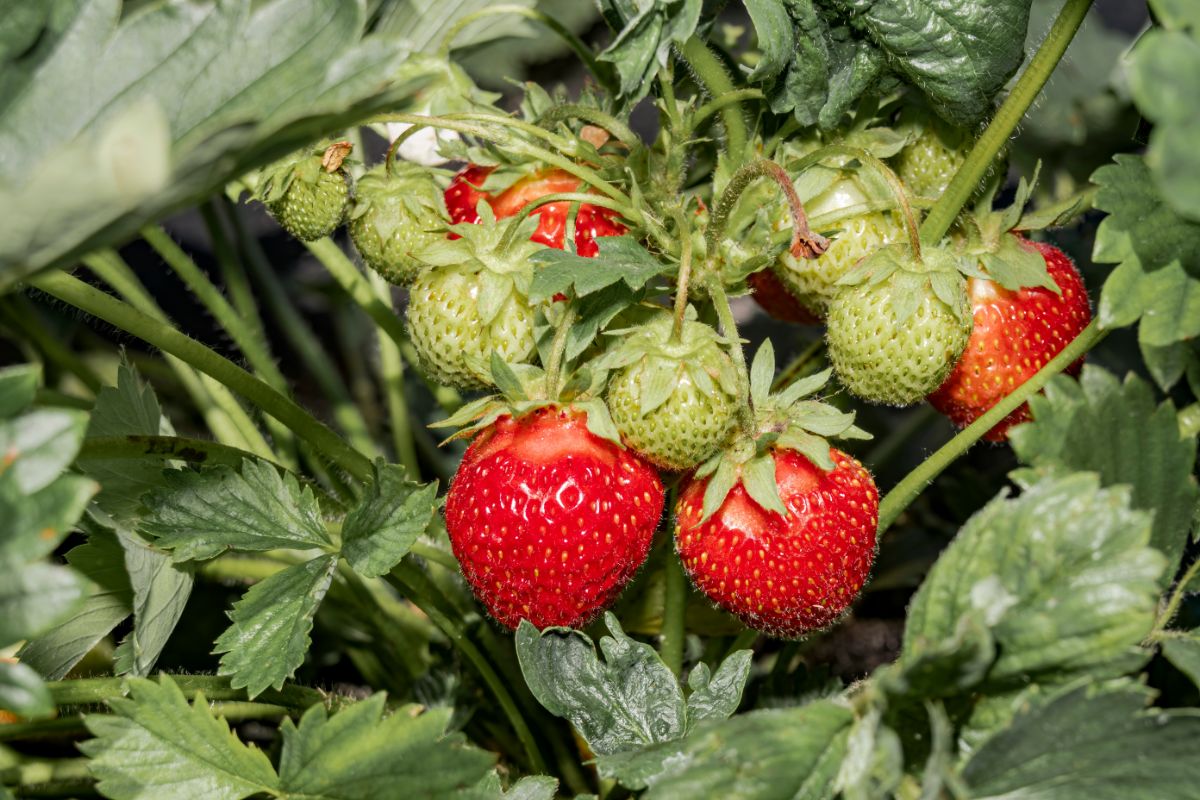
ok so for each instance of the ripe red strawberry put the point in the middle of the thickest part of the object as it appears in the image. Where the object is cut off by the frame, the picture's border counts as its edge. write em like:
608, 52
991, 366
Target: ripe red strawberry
463, 196
1015, 334
548, 520
772, 294
785, 575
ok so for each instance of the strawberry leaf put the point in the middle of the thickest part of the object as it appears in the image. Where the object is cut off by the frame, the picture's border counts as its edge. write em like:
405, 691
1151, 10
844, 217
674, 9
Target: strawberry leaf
161, 589
22, 691
155, 740
18, 386
645, 34
1062, 576
621, 260
271, 623
199, 515
628, 701
38, 446
1184, 653
392, 515
717, 696
361, 754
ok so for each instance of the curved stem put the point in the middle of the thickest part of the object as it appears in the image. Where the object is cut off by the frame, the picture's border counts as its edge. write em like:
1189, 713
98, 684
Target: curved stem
685, 271
1022, 96
907, 490
713, 106
574, 42
91, 691
712, 75
595, 116
414, 585
1172, 607
95, 302
805, 243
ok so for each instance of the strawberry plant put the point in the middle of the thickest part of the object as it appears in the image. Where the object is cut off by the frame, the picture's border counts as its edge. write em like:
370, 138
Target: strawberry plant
377, 418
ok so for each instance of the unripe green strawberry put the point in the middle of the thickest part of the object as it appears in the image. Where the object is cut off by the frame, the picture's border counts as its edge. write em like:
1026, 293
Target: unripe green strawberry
927, 164
394, 217
898, 329
309, 194
473, 300
672, 399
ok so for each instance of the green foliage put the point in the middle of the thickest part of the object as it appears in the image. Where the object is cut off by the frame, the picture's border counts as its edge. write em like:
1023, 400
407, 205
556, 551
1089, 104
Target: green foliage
646, 32
382, 528
1184, 653
1117, 430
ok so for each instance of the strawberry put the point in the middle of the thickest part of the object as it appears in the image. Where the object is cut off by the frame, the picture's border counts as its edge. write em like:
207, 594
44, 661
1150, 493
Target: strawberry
787, 573
899, 326
929, 161
308, 194
395, 215
548, 520
1016, 333
464, 194
774, 297
472, 301
673, 399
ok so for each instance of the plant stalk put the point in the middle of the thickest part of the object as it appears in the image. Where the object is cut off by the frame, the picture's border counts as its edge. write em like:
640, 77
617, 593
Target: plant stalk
712, 75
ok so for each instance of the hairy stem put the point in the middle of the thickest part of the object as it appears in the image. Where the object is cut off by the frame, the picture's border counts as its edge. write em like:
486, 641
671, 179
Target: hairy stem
907, 490
685, 271
712, 283
674, 630
95, 302
1176, 600
91, 691
992, 141
391, 369
557, 350
595, 116
805, 243
711, 73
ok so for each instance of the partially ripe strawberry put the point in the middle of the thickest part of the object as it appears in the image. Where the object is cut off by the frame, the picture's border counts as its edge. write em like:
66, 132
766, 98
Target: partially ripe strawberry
1016, 333
394, 217
785, 574
673, 400
894, 339
463, 195
773, 295
548, 520
472, 300
308, 195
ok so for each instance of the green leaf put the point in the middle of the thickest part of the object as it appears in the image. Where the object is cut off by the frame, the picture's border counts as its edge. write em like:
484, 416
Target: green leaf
1184, 653
271, 624
793, 753
716, 696
940, 669
18, 386
645, 34
658, 381
1090, 743
773, 28
199, 515
621, 259
629, 700
22, 691
102, 561
155, 745
161, 590
1015, 266
36, 447
359, 754
36, 522
130, 408
960, 54
723, 479
393, 513
180, 99
531, 787
1164, 79
758, 476
1062, 576
1118, 431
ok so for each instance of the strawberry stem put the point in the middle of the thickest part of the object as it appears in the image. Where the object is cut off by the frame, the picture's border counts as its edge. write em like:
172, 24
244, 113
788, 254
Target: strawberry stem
685, 271
595, 116
805, 243
713, 106
711, 74
557, 349
712, 283
1010, 113
912, 485
601, 73
674, 629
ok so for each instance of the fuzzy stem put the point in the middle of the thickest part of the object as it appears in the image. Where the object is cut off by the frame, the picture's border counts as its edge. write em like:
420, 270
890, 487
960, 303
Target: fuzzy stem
907, 490
685, 271
91, 691
674, 629
712, 283
25, 320
595, 116
805, 243
557, 350
719, 104
992, 141
1172, 607
712, 75
391, 368
95, 302
572, 41
414, 585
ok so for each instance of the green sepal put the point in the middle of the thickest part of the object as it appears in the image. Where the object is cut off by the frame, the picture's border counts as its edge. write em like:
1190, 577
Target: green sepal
724, 478
762, 372
758, 476
599, 421
1015, 265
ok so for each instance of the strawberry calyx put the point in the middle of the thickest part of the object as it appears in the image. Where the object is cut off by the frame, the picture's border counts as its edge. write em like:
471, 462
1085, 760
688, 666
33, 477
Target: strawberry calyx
789, 419
306, 166
911, 277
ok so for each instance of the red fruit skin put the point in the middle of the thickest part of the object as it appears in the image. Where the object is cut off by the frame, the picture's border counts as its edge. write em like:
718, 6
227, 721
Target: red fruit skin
1015, 335
463, 194
770, 293
548, 521
785, 575
590, 222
